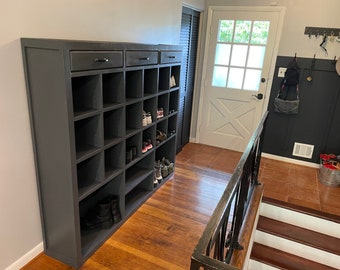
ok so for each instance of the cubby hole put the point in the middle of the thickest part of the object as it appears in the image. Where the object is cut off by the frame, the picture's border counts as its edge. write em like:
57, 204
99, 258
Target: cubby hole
175, 73
150, 106
133, 149
172, 125
139, 172
164, 79
86, 94
150, 81
114, 160
90, 174
136, 197
149, 139
161, 132
114, 126
87, 210
163, 104
88, 136
173, 103
167, 150
134, 115
113, 89
134, 85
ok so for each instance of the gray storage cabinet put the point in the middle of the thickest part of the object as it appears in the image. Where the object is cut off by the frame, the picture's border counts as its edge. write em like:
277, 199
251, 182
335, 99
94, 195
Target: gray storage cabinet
86, 103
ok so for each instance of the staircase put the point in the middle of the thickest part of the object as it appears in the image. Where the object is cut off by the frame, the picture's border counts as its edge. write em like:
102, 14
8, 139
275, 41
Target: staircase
292, 238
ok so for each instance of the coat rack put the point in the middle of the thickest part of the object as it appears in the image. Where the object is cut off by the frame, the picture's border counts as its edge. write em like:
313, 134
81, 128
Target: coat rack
321, 31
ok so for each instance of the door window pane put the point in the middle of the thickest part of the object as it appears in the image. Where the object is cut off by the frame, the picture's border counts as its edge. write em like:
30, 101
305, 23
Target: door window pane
222, 54
220, 76
225, 31
260, 32
242, 31
256, 56
239, 55
252, 79
235, 78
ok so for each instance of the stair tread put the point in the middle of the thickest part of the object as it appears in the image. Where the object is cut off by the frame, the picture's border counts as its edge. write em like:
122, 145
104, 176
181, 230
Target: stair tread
284, 260
302, 209
301, 235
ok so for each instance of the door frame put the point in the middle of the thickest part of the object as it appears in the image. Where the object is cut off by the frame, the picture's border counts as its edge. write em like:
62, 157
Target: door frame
203, 83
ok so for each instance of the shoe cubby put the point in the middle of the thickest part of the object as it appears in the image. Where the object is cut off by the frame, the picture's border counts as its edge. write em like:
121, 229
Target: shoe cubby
114, 160
133, 149
88, 136
150, 81
173, 102
86, 95
172, 126
91, 238
150, 106
163, 103
175, 73
107, 86
90, 174
114, 126
134, 84
134, 115
113, 89
164, 78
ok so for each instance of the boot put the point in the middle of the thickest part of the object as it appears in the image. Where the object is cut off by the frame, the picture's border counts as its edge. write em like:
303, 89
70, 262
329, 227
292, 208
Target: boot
116, 217
158, 174
99, 217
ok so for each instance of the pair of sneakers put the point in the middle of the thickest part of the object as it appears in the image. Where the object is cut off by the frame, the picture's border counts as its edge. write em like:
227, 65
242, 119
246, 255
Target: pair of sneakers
147, 119
147, 145
172, 81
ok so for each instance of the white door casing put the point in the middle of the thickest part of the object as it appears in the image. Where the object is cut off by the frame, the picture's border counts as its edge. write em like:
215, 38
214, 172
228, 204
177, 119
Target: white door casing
229, 110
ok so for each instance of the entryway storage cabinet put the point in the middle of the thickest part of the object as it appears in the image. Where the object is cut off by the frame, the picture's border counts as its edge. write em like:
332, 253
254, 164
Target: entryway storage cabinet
87, 101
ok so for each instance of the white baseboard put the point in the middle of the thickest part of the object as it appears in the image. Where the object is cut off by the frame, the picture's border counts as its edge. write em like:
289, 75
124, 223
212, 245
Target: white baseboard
27, 257
192, 140
291, 160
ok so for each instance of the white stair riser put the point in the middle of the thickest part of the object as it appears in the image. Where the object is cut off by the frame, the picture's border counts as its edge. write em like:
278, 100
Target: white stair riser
255, 265
298, 249
301, 220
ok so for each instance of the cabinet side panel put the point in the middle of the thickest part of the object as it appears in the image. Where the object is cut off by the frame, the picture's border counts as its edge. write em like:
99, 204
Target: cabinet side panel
53, 145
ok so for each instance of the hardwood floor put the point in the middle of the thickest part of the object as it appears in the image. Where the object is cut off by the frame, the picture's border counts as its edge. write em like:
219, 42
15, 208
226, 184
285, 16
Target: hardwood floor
164, 231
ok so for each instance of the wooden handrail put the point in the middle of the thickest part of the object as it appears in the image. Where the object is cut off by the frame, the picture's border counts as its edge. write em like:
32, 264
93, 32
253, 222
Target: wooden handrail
220, 237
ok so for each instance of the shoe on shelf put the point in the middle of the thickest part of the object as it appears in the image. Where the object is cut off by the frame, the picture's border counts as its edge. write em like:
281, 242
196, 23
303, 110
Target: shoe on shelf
160, 113
116, 217
149, 144
164, 171
144, 119
160, 136
172, 81
148, 118
98, 217
144, 147
158, 173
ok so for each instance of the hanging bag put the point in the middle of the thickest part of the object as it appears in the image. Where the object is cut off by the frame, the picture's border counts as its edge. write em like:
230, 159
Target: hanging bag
287, 100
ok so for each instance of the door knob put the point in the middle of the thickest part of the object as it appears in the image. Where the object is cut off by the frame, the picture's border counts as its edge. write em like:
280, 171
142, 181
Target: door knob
263, 80
259, 96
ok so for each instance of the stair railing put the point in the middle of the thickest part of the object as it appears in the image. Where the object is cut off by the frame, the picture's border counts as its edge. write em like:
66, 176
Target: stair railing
220, 237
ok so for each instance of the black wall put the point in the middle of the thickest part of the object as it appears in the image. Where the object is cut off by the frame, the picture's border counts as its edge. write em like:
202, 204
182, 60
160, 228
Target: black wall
318, 121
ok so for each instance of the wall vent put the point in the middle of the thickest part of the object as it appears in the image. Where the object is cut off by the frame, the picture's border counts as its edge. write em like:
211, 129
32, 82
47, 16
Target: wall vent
303, 150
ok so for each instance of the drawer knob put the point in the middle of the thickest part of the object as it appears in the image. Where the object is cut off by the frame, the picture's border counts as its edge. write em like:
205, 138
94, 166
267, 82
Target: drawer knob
101, 60
172, 56
144, 58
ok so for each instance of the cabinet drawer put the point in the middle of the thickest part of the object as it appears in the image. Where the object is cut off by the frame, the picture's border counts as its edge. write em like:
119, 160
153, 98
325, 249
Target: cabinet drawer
141, 58
87, 60
170, 56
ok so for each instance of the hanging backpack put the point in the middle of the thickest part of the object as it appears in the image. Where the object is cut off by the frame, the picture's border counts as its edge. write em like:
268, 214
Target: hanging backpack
287, 100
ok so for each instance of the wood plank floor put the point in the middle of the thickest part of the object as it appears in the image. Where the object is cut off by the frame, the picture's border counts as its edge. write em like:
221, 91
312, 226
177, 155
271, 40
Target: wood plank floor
164, 231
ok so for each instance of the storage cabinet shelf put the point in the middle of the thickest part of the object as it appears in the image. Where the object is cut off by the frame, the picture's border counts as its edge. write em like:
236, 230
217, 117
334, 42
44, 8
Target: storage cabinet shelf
96, 153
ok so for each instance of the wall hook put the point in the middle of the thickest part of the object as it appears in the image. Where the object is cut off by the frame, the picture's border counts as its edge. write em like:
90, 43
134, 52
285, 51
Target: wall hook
334, 60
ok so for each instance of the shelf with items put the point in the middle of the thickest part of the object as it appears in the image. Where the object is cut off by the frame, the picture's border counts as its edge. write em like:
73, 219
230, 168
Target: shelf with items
88, 136
172, 125
114, 126
113, 89
175, 76
133, 149
165, 156
100, 214
162, 105
149, 111
161, 132
149, 139
150, 81
90, 175
173, 102
86, 95
134, 85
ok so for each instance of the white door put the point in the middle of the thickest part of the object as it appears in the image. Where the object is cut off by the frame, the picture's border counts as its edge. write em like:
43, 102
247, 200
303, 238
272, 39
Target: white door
240, 50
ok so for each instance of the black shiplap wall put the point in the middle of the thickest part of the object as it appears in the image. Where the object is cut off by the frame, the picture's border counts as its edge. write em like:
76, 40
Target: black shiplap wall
318, 121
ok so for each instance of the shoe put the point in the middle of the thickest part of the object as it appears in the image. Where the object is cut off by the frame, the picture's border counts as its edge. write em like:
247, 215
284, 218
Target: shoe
164, 171
149, 144
160, 113
99, 217
172, 81
116, 217
160, 136
148, 119
158, 174
144, 148
144, 120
